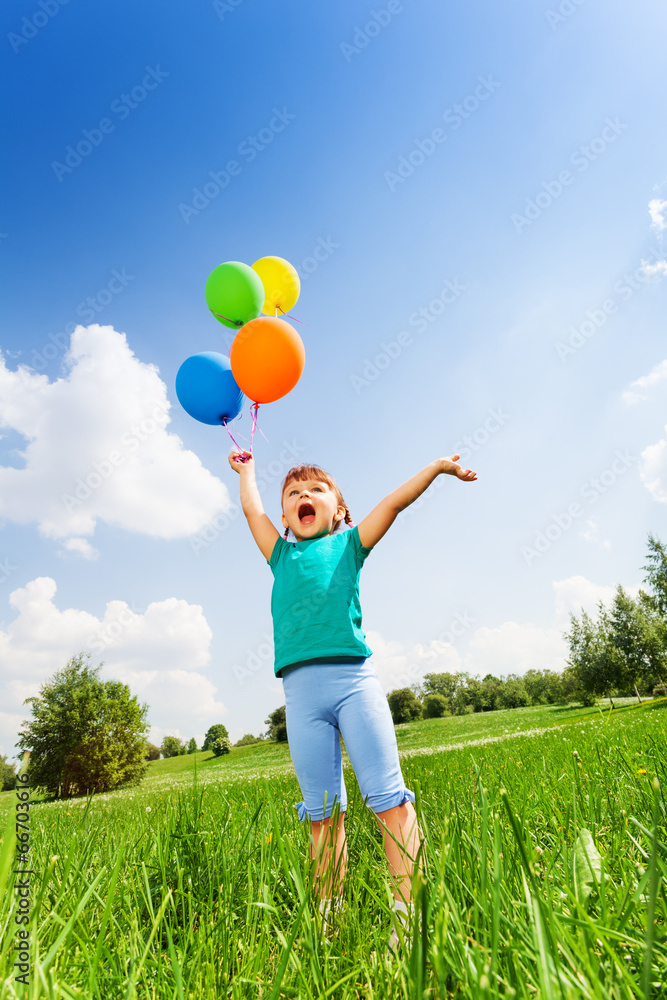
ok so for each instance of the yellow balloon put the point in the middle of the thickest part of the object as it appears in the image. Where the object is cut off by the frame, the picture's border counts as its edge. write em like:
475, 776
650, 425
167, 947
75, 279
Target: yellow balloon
281, 284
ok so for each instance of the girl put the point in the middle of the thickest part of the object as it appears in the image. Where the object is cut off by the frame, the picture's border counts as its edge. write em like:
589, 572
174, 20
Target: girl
331, 686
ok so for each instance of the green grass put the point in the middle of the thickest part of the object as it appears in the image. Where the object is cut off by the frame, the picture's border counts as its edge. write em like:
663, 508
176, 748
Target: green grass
176, 889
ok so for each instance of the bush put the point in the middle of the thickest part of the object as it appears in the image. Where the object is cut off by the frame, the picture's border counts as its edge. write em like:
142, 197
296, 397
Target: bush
214, 732
152, 752
435, 706
221, 746
404, 706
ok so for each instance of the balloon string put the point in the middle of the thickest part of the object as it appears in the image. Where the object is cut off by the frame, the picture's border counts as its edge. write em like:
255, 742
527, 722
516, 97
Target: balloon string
253, 409
236, 322
224, 424
289, 316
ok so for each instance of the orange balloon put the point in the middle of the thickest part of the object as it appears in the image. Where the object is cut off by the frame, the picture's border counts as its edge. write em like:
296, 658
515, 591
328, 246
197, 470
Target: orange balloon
267, 358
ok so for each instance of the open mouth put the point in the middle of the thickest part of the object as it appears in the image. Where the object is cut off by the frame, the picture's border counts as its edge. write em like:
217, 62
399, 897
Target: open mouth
306, 513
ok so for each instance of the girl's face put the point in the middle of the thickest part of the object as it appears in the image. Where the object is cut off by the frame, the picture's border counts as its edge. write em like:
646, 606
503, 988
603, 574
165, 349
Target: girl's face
310, 509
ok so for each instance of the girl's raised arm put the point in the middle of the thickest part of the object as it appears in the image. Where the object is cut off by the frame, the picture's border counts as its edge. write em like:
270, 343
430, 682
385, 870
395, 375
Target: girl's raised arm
263, 530
381, 518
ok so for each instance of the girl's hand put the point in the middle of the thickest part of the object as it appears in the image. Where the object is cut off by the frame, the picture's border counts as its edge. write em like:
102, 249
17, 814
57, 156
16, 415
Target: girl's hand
449, 466
241, 460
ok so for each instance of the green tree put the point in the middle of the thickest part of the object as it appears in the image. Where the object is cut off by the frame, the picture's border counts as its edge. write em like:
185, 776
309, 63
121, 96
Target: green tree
152, 752
513, 694
214, 732
404, 706
656, 574
435, 706
248, 739
596, 664
221, 746
637, 630
86, 735
277, 723
171, 746
7, 775
192, 746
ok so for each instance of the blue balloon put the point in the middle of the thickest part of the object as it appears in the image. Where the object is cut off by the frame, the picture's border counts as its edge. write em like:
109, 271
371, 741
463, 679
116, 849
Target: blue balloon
207, 390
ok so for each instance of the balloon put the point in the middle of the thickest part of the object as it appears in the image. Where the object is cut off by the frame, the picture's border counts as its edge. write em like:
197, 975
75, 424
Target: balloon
206, 388
234, 293
267, 358
281, 284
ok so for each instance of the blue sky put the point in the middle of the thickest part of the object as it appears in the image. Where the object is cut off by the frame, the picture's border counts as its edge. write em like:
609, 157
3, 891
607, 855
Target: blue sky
475, 197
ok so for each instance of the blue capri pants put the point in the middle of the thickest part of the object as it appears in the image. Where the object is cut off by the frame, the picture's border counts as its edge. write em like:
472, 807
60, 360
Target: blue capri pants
324, 701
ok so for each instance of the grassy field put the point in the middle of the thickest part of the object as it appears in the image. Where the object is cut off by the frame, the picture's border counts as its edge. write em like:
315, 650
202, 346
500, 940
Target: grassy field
546, 867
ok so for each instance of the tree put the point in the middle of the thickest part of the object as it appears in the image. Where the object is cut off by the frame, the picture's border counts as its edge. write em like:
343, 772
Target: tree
248, 739
404, 706
7, 775
171, 746
656, 574
192, 746
221, 746
435, 706
152, 752
514, 694
595, 662
214, 732
277, 723
86, 735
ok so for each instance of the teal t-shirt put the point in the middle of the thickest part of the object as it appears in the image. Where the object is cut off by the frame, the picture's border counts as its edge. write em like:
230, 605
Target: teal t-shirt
315, 599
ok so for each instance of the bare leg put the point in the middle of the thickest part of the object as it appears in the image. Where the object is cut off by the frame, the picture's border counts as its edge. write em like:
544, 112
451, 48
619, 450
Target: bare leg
330, 848
401, 823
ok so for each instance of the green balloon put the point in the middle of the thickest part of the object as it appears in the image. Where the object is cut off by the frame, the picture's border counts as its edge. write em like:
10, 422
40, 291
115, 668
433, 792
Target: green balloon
234, 293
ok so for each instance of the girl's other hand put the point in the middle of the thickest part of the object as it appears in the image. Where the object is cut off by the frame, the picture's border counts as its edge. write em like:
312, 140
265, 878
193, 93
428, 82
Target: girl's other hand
240, 460
449, 465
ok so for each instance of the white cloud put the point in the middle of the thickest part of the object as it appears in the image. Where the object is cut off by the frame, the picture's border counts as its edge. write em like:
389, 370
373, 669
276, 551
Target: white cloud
81, 547
642, 387
657, 209
591, 533
511, 648
653, 469
575, 593
652, 270
98, 448
159, 653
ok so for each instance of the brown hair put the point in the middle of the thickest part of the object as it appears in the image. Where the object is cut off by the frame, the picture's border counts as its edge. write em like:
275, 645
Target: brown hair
300, 473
